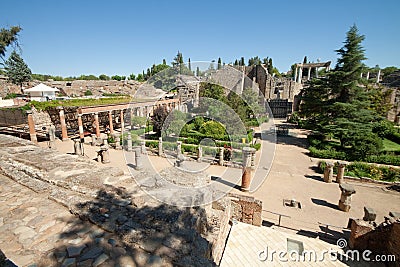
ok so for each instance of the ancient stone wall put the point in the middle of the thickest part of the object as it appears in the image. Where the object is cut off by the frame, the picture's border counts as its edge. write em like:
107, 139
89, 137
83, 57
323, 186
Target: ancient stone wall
246, 209
383, 239
12, 117
224, 206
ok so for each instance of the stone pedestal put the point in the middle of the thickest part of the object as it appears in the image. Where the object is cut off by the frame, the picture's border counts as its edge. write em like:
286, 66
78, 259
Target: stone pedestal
143, 147
345, 198
129, 142
52, 136
178, 148
221, 156
199, 154
369, 214
248, 167
138, 159
328, 173
117, 142
105, 154
340, 172
160, 146
77, 147
94, 139
64, 133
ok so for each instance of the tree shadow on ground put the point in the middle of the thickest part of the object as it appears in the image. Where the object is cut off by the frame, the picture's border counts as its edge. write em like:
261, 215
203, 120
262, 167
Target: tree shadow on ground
322, 202
130, 231
292, 140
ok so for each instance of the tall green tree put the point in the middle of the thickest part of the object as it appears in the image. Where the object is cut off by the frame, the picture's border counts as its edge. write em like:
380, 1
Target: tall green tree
219, 63
189, 65
270, 67
17, 70
340, 105
8, 37
305, 60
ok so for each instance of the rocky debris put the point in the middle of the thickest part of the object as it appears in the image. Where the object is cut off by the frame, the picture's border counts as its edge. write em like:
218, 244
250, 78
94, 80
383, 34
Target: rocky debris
140, 222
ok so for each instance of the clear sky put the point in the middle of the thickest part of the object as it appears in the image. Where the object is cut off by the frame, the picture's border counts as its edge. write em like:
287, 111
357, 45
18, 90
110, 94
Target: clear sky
70, 38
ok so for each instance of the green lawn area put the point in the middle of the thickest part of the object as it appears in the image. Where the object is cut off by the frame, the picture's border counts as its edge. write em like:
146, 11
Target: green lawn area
390, 145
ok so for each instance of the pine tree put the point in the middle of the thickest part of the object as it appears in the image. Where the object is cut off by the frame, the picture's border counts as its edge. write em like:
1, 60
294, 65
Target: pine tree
242, 62
270, 67
164, 62
340, 105
189, 65
17, 70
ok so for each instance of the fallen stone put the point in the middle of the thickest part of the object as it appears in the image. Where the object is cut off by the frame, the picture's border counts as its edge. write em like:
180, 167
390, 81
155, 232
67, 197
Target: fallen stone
112, 242
75, 251
68, 262
91, 254
100, 259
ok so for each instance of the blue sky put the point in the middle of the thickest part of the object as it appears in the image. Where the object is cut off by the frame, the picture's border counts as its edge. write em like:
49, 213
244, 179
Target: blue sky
70, 38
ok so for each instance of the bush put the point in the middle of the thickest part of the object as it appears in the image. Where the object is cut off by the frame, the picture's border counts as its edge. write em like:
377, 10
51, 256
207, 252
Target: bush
88, 93
326, 154
361, 169
256, 146
152, 144
384, 159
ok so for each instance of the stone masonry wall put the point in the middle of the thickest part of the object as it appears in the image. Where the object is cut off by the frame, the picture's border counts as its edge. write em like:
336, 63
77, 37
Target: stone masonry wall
246, 209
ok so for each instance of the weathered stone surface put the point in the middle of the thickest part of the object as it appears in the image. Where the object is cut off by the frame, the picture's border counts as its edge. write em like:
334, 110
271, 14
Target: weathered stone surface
68, 262
100, 259
369, 214
75, 251
92, 253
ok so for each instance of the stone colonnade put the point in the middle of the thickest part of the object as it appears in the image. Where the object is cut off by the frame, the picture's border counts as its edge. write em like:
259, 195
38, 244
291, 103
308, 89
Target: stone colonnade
144, 109
298, 72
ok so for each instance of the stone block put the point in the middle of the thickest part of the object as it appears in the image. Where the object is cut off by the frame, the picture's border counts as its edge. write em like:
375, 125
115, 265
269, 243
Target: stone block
369, 214
257, 219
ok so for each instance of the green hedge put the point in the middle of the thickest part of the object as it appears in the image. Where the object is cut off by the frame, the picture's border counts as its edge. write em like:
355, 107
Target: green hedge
384, 159
326, 154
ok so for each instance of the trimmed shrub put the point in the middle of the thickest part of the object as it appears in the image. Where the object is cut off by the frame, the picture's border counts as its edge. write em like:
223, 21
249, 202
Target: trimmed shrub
326, 154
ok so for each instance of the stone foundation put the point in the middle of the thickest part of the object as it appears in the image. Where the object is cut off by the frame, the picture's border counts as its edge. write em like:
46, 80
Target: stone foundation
246, 209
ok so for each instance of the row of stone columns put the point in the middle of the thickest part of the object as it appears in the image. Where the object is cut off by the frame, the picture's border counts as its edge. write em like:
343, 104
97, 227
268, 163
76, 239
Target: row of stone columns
328, 172
298, 73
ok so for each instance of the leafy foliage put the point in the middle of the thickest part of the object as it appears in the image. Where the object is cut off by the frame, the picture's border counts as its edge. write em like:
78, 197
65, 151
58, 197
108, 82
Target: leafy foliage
8, 37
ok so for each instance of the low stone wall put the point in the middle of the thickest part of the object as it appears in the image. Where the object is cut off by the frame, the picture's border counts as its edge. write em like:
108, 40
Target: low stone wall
246, 209
383, 239
224, 206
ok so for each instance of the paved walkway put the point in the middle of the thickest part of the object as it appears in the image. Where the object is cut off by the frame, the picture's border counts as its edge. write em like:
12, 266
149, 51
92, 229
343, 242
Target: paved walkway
36, 230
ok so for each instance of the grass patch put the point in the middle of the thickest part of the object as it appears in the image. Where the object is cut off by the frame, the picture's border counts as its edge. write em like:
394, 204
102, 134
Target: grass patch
390, 145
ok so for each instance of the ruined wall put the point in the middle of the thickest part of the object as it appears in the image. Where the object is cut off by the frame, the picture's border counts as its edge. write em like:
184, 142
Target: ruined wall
12, 117
77, 87
381, 240
246, 209
224, 206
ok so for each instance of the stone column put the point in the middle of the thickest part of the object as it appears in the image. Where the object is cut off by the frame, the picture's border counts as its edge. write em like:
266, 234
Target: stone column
138, 160
77, 147
143, 147
340, 172
178, 148
105, 154
52, 136
199, 154
295, 74
309, 74
345, 198
197, 96
31, 124
300, 75
328, 172
129, 142
368, 75
96, 121
160, 147
80, 126
93, 143
117, 142
121, 114
247, 167
221, 156
64, 133
110, 121
378, 76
